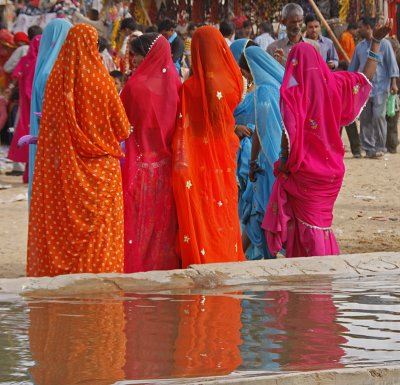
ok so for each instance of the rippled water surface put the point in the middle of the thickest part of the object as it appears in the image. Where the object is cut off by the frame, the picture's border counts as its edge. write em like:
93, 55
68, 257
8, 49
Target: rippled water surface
318, 324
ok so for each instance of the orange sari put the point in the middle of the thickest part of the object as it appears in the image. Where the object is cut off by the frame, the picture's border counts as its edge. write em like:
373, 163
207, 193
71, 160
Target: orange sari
205, 147
76, 212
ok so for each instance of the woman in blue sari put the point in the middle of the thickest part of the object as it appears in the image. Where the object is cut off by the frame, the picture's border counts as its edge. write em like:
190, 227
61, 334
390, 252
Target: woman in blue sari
50, 45
244, 129
259, 110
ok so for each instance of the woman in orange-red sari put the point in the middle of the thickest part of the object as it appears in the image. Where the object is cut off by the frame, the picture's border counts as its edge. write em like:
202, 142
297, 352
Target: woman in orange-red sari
205, 147
76, 213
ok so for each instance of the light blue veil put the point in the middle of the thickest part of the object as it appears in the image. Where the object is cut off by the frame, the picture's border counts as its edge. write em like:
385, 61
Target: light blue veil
267, 76
237, 48
50, 45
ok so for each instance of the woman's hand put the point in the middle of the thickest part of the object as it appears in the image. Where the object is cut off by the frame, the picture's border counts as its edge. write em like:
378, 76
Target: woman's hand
380, 31
242, 131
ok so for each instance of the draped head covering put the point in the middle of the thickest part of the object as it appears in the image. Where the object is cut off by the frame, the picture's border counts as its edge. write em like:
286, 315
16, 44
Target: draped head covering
151, 100
76, 213
26, 66
52, 40
315, 103
237, 47
205, 147
267, 76
24, 72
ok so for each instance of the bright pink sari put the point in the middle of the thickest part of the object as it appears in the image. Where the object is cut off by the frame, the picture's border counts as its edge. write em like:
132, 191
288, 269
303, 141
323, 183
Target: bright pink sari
315, 103
151, 100
24, 72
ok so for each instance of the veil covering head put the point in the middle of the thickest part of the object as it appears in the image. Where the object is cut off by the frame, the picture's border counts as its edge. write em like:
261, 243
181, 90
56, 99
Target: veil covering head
205, 148
24, 72
214, 84
76, 192
50, 45
315, 103
237, 47
267, 75
151, 100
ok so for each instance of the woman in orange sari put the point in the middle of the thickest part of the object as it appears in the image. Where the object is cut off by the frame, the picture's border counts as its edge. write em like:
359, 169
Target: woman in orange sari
205, 147
76, 214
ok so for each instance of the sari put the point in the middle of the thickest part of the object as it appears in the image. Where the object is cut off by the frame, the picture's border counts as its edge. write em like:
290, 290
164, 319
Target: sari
267, 76
205, 148
76, 212
24, 72
315, 103
150, 214
237, 47
52, 40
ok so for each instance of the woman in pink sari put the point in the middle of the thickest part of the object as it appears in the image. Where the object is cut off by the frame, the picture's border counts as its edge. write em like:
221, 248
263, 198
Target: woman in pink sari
151, 100
24, 72
315, 103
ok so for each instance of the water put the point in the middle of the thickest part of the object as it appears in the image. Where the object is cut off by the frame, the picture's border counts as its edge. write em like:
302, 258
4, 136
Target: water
126, 338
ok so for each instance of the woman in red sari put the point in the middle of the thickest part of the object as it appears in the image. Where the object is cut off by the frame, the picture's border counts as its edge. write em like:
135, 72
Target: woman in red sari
205, 147
151, 100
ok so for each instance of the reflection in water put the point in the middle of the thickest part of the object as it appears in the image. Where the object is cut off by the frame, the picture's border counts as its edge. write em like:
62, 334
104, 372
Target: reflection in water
80, 342
292, 331
209, 336
151, 331
136, 337
312, 336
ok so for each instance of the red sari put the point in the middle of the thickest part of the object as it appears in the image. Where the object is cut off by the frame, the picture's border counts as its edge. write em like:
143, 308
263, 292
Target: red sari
205, 147
151, 100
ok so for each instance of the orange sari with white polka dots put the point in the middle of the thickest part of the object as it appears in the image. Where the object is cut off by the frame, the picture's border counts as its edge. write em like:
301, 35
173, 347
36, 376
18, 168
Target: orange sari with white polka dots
76, 212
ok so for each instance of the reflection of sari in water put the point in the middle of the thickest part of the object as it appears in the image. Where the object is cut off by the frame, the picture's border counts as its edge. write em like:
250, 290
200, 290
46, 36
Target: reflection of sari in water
315, 103
312, 337
151, 331
24, 72
151, 100
209, 336
205, 148
52, 40
267, 75
76, 212
77, 342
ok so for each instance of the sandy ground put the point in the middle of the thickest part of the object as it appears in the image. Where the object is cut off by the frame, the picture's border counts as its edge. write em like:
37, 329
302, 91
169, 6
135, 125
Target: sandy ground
366, 215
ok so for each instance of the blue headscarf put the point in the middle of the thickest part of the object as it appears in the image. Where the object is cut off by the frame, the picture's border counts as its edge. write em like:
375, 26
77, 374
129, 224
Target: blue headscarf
267, 76
237, 48
50, 45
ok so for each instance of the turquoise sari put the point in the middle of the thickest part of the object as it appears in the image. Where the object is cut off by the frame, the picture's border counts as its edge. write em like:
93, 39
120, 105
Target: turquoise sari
267, 76
50, 45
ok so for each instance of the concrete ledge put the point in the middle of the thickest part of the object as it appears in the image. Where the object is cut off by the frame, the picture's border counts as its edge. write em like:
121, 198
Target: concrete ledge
207, 276
389, 375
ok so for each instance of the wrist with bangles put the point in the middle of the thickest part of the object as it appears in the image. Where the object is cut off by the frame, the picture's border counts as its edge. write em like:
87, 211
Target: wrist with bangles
253, 163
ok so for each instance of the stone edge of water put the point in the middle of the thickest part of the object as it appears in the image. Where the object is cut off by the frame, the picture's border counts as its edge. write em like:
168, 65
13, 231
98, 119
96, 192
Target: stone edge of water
208, 276
384, 375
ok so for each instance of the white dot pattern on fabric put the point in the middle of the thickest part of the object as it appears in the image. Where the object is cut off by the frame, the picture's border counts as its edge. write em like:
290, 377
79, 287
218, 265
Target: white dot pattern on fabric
76, 213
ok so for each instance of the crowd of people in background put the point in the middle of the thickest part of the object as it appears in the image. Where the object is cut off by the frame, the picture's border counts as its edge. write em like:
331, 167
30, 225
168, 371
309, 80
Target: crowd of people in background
148, 149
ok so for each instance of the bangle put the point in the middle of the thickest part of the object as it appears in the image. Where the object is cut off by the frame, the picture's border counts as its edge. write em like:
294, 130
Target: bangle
376, 40
373, 56
252, 161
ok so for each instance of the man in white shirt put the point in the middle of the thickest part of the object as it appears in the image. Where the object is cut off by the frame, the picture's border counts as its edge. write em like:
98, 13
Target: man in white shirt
265, 38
